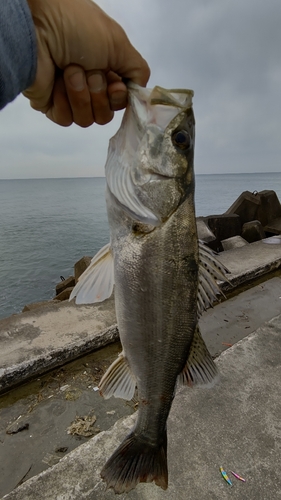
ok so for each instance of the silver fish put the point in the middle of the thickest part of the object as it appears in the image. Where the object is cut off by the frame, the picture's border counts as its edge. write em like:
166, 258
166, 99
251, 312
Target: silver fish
163, 278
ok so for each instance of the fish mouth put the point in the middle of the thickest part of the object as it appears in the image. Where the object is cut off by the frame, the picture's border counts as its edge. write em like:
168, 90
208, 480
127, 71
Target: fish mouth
178, 98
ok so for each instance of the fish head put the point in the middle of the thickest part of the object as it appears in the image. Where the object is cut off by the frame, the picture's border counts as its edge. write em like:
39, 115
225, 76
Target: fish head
149, 169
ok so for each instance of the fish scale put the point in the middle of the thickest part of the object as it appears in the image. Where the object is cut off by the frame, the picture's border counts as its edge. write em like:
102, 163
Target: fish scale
155, 265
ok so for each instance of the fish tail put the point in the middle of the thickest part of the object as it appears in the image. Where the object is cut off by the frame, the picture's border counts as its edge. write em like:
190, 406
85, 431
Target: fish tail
136, 461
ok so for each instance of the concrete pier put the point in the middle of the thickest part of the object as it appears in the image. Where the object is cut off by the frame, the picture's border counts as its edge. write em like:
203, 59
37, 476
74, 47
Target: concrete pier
236, 424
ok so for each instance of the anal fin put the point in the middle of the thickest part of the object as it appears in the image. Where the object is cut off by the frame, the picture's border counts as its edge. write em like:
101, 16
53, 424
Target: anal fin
118, 380
200, 368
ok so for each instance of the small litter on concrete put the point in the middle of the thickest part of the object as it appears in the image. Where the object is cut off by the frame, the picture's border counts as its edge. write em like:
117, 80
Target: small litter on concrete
64, 387
225, 476
238, 477
73, 394
273, 240
84, 426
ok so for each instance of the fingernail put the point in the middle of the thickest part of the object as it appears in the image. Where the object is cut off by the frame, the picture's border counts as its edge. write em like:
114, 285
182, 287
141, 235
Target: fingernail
118, 98
96, 82
77, 81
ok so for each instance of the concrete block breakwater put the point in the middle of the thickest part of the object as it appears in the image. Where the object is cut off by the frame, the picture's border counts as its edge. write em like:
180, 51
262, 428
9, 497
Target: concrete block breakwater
252, 217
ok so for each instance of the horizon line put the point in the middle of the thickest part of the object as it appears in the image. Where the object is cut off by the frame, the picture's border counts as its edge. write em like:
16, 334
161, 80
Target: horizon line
103, 176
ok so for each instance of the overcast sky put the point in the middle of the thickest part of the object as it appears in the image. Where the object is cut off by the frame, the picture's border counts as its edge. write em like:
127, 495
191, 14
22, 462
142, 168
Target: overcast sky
227, 51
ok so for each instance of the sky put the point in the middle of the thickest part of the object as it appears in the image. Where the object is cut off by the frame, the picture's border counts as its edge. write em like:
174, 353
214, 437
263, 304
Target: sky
227, 51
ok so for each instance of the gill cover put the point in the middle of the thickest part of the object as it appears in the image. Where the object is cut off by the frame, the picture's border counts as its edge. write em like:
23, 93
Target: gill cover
148, 114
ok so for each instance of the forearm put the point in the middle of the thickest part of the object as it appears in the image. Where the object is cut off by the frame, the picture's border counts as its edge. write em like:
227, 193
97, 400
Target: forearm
18, 57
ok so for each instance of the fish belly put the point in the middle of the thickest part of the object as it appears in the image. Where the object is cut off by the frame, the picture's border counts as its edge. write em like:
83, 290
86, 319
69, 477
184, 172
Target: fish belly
156, 278
156, 282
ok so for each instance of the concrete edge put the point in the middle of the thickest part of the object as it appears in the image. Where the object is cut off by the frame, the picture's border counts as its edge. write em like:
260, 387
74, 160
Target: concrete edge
98, 444
249, 276
20, 373
94, 450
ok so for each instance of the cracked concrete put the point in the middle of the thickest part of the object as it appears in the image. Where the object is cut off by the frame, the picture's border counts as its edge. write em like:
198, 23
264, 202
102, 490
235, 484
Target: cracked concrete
235, 424
44, 338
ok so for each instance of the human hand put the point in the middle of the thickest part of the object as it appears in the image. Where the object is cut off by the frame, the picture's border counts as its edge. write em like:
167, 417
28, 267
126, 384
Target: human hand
82, 56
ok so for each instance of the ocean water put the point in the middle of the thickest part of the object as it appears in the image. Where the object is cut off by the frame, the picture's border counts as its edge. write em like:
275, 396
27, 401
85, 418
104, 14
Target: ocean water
46, 225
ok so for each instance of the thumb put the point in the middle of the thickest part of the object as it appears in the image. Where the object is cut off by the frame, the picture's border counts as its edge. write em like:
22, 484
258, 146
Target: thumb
40, 92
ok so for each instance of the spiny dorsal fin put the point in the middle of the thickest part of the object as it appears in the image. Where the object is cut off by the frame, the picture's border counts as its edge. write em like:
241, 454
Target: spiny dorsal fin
210, 272
118, 380
96, 283
200, 368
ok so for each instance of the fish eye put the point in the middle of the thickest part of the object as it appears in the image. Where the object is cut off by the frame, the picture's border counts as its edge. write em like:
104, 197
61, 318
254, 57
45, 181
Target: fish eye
181, 139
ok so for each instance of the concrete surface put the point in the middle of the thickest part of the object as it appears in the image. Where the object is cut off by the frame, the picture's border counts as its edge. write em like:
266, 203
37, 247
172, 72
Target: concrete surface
237, 317
250, 262
36, 341
46, 407
50, 403
235, 424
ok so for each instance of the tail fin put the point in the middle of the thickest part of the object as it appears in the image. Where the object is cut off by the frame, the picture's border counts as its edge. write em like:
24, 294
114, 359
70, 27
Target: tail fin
135, 461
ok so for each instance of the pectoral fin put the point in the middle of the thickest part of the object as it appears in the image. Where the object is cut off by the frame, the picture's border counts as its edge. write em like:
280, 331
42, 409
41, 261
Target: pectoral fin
96, 283
120, 183
200, 368
118, 380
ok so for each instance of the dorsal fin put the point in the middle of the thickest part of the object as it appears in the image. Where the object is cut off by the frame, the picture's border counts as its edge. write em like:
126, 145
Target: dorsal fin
210, 272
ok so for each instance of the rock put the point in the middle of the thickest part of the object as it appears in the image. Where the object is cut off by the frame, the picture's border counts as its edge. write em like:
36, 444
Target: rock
36, 305
62, 285
18, 425
65, 294
223, 227
263, 206
252, 231
269, 208
80, 266
245, 206
61, 449
234, 242
274, 227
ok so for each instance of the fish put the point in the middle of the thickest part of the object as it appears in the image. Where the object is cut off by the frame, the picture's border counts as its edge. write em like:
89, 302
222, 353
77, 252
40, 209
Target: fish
163, 277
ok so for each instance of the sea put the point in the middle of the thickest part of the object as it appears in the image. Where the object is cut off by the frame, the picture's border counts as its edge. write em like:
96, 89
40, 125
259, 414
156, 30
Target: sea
46, 225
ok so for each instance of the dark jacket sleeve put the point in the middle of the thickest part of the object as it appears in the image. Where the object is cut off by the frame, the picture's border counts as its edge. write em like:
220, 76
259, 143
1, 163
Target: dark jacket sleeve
18, 54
